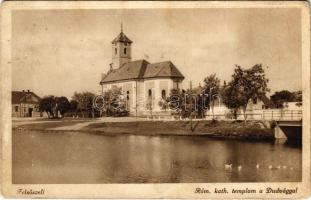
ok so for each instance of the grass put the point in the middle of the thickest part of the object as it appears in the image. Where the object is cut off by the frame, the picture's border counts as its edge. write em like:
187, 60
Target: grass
250, 130
218, 129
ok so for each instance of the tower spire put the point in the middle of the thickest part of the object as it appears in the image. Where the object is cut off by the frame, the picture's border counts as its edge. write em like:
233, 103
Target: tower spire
121, 27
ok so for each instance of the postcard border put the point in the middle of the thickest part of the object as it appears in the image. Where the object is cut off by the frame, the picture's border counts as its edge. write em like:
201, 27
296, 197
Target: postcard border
180, 190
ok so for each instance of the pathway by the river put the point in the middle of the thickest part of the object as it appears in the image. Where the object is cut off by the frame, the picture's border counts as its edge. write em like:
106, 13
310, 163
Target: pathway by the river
83, 124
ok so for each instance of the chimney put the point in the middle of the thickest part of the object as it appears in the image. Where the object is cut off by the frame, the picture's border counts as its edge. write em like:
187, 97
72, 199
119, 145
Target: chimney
23, 91
28, 91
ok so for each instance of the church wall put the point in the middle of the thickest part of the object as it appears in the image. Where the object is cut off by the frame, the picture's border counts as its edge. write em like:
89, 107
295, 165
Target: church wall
129, 93
177, 84
141, 103
156, 86
111, 85
164, 88
128, 86
149, 94
144, 100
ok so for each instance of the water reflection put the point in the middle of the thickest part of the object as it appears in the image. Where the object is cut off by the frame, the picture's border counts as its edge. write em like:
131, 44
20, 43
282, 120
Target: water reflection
88, 158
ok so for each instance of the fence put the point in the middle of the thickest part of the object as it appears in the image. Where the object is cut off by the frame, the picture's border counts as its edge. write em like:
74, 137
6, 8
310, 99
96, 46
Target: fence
276, 114
282, 115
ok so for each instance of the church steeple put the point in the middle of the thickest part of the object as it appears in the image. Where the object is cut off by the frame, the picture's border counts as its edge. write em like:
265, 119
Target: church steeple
121, 49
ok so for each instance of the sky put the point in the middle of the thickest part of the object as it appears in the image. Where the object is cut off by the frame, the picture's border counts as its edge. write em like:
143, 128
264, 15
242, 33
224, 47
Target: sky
58, 52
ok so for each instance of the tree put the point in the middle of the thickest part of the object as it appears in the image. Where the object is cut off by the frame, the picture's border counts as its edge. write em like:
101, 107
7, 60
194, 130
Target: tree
280, 97
52, 105
62, 105
298, 96
85, 102
231, 98
73, 106
47, 105
177, 101
212, 88
246, 84
115, 102
163, 103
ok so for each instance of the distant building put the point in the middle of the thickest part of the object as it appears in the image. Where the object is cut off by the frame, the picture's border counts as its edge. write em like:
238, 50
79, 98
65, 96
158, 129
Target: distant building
25, 104
254, 108
260, 103
143, 84
292, 105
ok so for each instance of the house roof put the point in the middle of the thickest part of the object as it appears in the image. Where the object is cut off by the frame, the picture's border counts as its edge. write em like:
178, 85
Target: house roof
122, 38
142, 69
24, 97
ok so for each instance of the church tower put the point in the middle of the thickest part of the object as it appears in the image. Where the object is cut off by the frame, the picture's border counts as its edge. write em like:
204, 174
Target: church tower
121, 50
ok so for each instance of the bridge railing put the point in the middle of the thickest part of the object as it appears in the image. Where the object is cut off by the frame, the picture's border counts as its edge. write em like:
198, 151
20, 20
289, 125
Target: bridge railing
275, 114
282, 115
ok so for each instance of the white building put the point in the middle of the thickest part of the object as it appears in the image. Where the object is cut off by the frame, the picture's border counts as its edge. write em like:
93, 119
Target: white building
143, 84
292, 105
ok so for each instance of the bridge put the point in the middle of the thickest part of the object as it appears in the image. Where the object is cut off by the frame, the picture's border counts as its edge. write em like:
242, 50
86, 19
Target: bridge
288, 123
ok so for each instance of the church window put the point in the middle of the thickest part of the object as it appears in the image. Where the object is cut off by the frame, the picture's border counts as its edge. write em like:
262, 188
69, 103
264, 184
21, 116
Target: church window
128, 95
115, 50
163, 94
16, 108
149, 93
124, 50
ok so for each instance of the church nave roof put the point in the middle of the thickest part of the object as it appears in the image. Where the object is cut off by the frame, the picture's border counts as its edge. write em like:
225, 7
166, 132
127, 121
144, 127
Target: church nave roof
142, 69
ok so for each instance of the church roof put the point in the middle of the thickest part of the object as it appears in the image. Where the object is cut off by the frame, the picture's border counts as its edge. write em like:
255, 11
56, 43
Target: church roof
130, 70
122, 38
142, 69
162, 69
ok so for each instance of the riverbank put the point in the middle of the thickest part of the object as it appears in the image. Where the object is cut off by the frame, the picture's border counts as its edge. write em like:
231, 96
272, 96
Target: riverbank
250, 130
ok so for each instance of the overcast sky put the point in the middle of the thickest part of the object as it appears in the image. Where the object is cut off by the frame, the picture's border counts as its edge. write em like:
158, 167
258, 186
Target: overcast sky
61, 51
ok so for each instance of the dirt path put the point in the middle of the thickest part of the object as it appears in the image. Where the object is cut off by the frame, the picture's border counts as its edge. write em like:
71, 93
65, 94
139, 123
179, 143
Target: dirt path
73, 127
82, 124
20, 123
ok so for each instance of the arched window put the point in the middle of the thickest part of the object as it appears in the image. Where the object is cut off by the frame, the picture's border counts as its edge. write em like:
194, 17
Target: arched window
128, 95
124, 50
163, 94
149, 93
115, 50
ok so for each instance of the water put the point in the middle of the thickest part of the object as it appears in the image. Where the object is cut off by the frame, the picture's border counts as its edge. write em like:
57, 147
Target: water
73, 157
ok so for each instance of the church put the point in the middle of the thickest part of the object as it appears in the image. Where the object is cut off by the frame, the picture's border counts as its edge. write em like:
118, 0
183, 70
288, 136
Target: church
144, 85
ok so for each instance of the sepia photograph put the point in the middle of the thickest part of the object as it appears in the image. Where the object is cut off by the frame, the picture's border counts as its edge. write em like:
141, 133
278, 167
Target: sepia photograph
155, 94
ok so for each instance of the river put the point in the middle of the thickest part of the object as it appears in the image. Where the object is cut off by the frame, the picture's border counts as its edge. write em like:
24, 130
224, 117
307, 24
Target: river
76, 157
